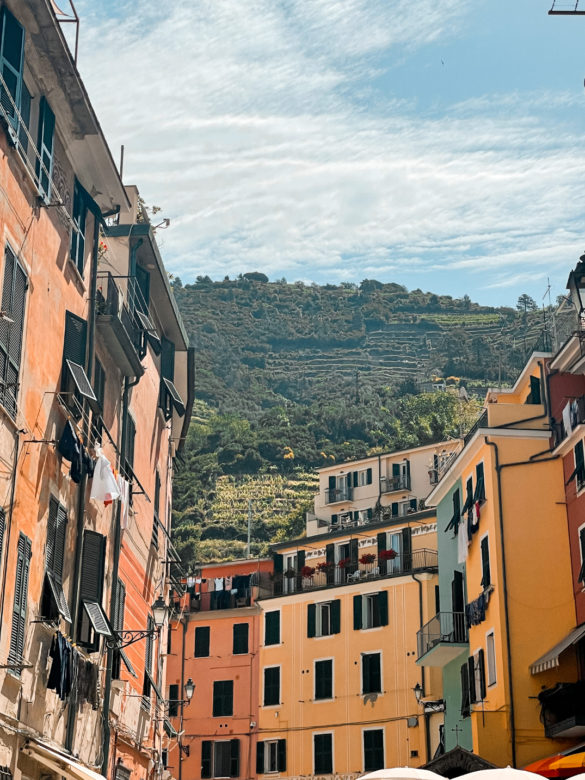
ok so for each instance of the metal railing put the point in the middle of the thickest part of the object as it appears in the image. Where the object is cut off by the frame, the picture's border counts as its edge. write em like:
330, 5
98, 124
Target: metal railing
445, 627
390, 484
121, 296
347, 573
562, 708
577, 417
221, 599
481, 422
334, 495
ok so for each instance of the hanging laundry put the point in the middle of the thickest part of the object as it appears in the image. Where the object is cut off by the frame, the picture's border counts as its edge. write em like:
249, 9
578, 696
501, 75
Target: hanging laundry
475, 517
567, 423
60, 674
70, 449
218, 583
104, 486
228, 583
124, 488
462, 543
87, 463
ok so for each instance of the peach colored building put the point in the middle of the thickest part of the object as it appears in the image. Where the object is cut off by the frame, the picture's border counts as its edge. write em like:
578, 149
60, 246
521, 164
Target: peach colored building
215, 641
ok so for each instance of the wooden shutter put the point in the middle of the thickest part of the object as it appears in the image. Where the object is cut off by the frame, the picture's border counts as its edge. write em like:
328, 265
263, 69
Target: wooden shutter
75, 339
240, 637
20, 598
173, 701
381, 539
353, 553
260, 758
92, 567
143, 297
396, 470
408, 474
465, 704
271, 685
471, 679
330, 558
332, 485
534, 390
457, 597
334, 519
24, 126
336, 616
485, 563
277, 563
581, 577
130, 441
357, 612
300, 561
281, 753
479, 494
234, 757
272, 628
355, 478
14, 290
407, 549
481, 674
383, 607
369, 476
44, 166
77, 248
11, 62
202, 641
167, 359
206, 746
394, 509
311, 620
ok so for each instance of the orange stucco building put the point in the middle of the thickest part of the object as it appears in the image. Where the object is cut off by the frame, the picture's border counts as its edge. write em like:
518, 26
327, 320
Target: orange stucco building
95, 391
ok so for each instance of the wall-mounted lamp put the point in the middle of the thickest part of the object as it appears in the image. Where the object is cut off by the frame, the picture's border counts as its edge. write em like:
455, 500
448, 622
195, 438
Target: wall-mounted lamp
124, 638
418, 692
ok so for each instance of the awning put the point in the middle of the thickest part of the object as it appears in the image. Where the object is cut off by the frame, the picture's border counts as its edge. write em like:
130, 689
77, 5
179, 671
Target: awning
562, 765
551, 659
58, 762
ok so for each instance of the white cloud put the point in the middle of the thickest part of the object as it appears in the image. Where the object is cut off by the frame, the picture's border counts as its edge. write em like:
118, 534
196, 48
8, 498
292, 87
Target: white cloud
246, 122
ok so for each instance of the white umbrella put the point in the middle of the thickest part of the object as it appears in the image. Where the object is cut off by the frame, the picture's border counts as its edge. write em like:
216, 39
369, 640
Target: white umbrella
507, 773
406, 773
580, 776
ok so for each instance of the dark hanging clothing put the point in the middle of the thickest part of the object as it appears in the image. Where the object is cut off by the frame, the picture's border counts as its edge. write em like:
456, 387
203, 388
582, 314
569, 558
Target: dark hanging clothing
70, 448
60, 674
88, 463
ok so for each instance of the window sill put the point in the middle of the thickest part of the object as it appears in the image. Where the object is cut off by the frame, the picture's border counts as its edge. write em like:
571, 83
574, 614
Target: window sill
372, 693
76, 273
272, 706
317, 701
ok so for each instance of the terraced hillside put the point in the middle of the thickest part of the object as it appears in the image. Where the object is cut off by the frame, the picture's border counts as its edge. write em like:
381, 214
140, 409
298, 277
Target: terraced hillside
291, 377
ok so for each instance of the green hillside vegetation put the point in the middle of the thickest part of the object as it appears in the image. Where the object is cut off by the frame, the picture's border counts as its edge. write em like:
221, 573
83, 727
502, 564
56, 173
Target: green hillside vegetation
292, 377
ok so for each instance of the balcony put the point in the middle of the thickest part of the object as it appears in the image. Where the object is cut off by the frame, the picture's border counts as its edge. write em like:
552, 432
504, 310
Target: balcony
392, 484
118, 323
336, 495
563, 710
577, 415
442, 639
333, 575
221, 599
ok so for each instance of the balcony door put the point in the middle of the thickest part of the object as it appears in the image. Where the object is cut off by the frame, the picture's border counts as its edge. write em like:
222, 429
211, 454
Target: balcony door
342, 553
290, 565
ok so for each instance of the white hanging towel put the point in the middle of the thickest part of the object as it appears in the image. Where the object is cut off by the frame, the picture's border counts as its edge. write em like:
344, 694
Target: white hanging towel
462, 541
567, 419
124, 488
104, 486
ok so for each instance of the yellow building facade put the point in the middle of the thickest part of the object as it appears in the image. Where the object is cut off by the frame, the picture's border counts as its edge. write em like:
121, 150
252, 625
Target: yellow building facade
517, 572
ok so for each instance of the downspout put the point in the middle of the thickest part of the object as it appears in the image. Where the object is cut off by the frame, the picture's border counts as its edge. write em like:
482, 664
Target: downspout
184, 622
426, 715
80, 510
114, 589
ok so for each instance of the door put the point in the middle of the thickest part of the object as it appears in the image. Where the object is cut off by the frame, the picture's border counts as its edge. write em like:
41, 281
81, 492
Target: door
290, 573
395, 543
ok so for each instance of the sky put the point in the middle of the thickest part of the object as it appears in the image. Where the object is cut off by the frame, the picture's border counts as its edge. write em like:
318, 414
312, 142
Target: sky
437, 143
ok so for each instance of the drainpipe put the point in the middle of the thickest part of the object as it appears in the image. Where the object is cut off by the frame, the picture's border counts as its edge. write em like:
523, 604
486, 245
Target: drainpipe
114, 589
426, 715
80, 510
184, 622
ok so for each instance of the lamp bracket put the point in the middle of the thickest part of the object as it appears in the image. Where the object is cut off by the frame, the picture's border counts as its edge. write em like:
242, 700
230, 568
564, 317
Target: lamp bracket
124, 638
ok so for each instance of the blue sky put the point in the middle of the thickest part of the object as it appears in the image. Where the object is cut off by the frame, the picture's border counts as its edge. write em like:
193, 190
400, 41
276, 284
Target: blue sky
437, 143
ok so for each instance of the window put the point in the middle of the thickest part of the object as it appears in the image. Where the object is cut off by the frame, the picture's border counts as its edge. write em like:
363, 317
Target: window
323, 754
467, 506
14, 289
271, 686
147, 682
169, 396
272, 628
486, 580
11, 63
20, 601
491, 658
92, 622
173, 701
155, 517
75, 385
324, 679
476, 677
465, 699
324, 619
53, 601
240, 646
271, 756
77, 245
370, 610
581, 577
202, 641
220, 759
44, 167
373, 749
456, 516
479, 494
130, 442
579, 472
371, 673
223, 698
118, 625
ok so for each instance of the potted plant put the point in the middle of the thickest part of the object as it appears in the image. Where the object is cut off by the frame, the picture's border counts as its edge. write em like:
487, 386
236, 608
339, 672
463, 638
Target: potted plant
324, 566
387, 555
367, 558
343, 563
290, 573
307, 571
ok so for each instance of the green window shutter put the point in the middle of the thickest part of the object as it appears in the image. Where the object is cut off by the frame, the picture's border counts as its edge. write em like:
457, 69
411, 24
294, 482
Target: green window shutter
271, 686
471, 679
300, 560
143, 293
206, 758
357, 612
408, 472
20, 599
406, 549
332, 483
535, 394
413, 504
396, 469
260, 758
311, 620
370, 513
234, 757
581, 577
272, 628
334, 519
281, 753
356, 516
336, 616
324, 679
381, 540
373, 750
369, 476
24, 126
202, 641
353, 552
481, 668
465, 703
130, 440
323, 754
99, 382
371, 676
14, 289
485, 563
479, 494
355, 479
329, 553
44, 165
92, 567
167, 359
383, 607
11, 63
394, 509
173, 701
75, 339
277, 563
77, 245
223, 698
240, 638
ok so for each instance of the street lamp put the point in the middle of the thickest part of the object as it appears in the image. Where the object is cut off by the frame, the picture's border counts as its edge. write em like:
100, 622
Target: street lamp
159, 612
189, 689
123, 637
418, 692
